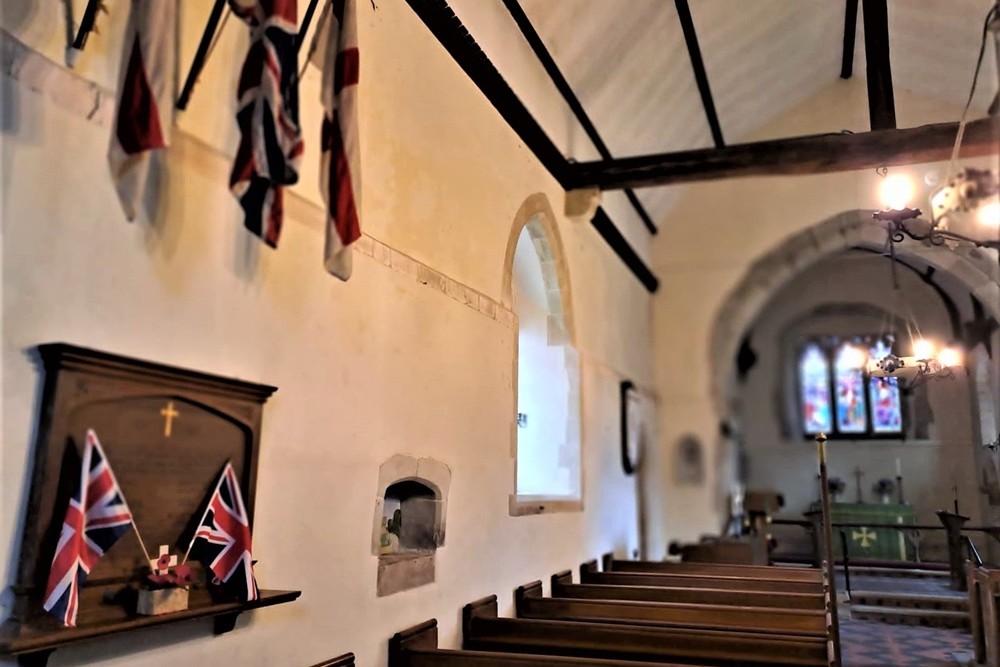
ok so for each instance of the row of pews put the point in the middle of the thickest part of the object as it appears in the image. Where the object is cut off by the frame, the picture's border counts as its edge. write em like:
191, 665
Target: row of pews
641, 613
984, 612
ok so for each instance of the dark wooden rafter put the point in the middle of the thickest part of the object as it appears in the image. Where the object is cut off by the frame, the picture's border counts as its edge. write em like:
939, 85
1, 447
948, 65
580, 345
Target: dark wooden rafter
441, 20
698, 66
606, 228
816, 154
881, 106
562, 85
850, 30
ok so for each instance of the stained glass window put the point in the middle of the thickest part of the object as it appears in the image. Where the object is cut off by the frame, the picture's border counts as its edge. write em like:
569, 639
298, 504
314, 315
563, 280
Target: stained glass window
852, 413
814, 382
836, 394
883, 394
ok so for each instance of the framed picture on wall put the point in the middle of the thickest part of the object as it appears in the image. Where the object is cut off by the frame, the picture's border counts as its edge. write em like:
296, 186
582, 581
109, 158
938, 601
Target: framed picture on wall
632, 427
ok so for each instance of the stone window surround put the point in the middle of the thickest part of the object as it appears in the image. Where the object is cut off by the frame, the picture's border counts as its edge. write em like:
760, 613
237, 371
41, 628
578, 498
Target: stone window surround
537, 215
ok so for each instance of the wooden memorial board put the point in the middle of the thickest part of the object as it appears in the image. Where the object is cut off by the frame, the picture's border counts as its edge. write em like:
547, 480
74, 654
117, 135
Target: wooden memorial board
167, 434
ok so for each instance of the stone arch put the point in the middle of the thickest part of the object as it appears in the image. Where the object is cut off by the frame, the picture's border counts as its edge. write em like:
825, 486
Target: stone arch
537, 218
537, 215
971, 268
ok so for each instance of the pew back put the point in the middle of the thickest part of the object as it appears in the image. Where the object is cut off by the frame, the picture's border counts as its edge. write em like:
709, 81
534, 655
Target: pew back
760, 572
529, 603
482, 630
563, 587
590, 575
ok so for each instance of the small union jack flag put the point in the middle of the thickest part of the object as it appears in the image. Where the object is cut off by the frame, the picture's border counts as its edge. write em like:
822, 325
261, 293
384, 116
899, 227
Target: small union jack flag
222, 541
96, 517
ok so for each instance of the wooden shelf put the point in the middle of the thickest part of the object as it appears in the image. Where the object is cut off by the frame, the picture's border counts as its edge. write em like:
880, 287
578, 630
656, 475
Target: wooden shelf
32, 644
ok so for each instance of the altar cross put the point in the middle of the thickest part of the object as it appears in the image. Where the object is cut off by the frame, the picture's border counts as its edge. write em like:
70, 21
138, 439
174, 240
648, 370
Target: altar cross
169, 413
864, 536
858, 474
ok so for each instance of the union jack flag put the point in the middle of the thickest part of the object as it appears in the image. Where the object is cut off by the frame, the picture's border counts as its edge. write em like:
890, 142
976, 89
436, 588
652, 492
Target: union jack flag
222, 541
96, 517
268, 116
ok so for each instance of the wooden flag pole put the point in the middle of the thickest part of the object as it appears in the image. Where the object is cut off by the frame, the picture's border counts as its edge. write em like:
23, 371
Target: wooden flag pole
831, 572
201, 54
304, 28
86, 27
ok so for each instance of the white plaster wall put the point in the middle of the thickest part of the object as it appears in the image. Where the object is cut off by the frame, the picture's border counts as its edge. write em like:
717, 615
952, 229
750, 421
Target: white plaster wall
716, 231
380, 365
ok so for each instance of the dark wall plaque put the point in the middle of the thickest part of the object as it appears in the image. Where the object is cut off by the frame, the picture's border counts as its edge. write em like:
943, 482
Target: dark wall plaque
167, 433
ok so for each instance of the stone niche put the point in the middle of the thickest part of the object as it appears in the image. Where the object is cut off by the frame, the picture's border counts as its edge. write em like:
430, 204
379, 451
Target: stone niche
409, 524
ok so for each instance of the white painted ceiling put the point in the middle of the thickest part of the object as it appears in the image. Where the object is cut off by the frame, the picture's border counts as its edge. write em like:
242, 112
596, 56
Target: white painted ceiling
628, 64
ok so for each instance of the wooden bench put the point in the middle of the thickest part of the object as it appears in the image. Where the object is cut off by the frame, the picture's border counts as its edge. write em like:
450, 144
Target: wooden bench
563, 587
761, 572
530, 603
590, 575
984, 613
346, 660
417, 647
483, 630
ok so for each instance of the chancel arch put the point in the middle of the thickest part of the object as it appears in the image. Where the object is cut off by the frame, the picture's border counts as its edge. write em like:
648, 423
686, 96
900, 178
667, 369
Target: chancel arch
831, 283
546, 443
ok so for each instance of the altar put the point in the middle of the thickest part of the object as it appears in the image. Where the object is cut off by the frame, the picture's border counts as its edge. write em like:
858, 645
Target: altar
864, 538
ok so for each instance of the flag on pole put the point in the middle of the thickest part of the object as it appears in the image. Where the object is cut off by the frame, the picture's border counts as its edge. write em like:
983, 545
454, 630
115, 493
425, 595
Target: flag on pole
143, 117
222, 540
335, 50
268, 117
96, 517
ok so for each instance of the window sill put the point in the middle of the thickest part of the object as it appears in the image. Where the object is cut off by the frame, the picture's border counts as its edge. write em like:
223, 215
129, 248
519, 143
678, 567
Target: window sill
526, 505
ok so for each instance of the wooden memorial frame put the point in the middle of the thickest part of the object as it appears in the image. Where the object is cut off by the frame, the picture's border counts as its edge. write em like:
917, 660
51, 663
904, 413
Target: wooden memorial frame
167, 434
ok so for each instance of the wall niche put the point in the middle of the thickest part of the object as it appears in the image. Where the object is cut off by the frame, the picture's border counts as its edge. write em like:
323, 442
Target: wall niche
409, 523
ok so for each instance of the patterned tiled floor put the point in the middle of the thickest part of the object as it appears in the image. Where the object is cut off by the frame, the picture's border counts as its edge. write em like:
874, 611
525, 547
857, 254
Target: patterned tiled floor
873, 644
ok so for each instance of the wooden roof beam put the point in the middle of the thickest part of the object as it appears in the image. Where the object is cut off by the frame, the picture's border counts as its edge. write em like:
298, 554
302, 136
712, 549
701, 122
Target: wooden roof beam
850, 28
881, 105
815, 154
698, 67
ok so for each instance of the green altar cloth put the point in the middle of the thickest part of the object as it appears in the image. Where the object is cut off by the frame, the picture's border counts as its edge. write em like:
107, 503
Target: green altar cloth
867, 541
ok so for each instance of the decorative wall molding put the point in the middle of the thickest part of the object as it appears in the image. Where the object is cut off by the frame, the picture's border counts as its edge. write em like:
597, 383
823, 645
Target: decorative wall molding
96, 104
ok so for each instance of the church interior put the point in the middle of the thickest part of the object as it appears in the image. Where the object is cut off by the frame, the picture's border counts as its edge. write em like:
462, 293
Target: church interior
500, 333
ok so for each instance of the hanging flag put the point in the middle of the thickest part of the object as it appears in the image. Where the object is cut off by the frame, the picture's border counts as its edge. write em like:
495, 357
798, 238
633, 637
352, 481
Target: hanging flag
96, 517
335, 49
222, 540
143, 117
268, 117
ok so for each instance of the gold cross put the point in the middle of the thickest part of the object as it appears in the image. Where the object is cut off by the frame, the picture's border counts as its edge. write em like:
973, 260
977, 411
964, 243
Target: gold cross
169, 413
865, 537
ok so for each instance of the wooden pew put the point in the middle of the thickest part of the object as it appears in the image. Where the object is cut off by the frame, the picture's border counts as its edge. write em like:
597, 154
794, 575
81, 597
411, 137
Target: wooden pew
984, 613
563, 587
417, 647
483, 630
346, 660
529, 603
760, 572
590, 575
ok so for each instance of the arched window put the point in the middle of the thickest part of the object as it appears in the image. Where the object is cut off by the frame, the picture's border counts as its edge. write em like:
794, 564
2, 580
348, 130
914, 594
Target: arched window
546, 366
836, 395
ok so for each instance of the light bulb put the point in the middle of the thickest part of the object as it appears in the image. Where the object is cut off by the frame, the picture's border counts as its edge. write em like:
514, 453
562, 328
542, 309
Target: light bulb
923, 349
989, 214
896, 191
949, 356
854, 357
